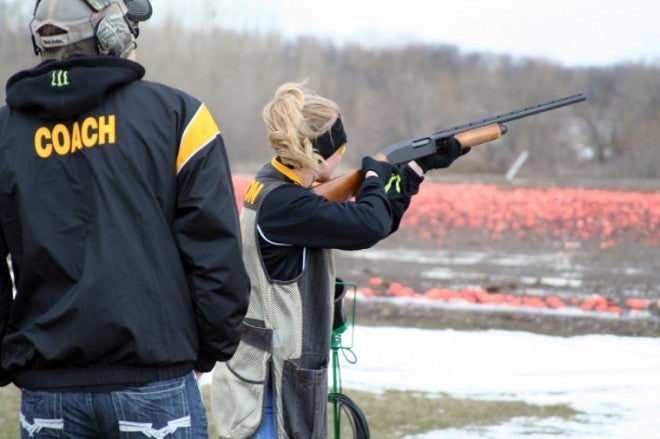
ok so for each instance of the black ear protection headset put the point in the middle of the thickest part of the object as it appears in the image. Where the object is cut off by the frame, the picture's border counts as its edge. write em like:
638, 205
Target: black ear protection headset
117, 26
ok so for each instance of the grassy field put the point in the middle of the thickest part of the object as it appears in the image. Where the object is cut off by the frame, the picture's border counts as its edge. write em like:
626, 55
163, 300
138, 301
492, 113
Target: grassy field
391, 415
9, 404
395, 414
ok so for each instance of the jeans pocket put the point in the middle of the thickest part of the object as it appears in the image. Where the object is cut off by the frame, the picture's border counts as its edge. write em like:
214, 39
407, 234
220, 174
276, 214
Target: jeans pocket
238, 385
305, 397
41, 415
157, 410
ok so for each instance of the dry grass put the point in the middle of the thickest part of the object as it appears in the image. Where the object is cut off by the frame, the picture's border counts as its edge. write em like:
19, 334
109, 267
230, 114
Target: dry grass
395, 414
9, 404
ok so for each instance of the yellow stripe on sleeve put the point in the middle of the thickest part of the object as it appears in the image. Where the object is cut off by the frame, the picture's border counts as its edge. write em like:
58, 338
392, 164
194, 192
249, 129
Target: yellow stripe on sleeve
200, 131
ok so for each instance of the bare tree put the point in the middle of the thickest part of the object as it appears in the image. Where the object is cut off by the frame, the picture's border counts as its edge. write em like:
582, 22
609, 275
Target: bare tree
390, 94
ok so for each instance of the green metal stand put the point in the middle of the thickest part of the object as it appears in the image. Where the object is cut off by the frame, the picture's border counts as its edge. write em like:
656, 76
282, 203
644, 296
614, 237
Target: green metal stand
339, 327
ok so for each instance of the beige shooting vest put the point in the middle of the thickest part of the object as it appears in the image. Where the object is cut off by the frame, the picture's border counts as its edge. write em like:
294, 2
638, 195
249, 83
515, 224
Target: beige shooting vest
286, 339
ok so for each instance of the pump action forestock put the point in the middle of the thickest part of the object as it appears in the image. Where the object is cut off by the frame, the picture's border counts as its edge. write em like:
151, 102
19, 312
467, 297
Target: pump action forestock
345, 186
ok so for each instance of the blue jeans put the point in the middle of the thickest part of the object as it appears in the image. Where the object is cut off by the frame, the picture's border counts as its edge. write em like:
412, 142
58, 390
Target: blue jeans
267, 429
170, 409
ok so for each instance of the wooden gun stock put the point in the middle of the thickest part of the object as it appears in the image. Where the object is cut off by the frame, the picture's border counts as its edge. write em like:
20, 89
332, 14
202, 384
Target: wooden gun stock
341, 188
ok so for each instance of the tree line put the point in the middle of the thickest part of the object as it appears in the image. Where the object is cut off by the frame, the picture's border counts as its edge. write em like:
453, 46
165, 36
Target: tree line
387, 95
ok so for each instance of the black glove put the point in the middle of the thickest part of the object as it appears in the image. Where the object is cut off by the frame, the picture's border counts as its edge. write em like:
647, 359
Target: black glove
383, 169
451, 151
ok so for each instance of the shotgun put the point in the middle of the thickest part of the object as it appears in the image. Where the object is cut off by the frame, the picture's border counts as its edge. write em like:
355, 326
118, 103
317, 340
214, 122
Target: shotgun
345, 186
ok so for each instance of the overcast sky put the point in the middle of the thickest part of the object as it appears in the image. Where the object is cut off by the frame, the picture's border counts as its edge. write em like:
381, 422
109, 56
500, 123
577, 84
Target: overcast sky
571, 32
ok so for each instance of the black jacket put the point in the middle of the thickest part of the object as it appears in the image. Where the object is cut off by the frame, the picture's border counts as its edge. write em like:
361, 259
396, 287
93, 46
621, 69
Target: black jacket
118, 212
293, 218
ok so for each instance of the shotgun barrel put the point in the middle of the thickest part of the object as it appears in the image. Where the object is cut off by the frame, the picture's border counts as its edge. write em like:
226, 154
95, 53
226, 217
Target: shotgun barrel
411, 149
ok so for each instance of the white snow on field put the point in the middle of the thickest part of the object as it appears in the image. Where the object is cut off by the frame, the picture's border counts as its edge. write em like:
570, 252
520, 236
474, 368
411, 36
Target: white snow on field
614, 381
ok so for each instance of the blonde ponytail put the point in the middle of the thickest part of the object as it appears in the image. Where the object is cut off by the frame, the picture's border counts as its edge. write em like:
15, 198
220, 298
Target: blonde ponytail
293, 118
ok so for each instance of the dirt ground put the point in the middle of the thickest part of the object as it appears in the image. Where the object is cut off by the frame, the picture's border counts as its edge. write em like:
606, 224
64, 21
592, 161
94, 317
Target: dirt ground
572, 271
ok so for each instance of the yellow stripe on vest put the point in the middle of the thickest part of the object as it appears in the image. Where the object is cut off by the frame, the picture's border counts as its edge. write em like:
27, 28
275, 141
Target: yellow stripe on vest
252, 191
201, 130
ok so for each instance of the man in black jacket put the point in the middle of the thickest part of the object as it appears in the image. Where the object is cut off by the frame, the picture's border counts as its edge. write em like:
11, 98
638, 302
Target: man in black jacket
117, 212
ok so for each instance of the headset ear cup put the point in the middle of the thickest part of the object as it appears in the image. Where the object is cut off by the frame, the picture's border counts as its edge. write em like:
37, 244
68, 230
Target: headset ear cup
114, 36
139, 10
